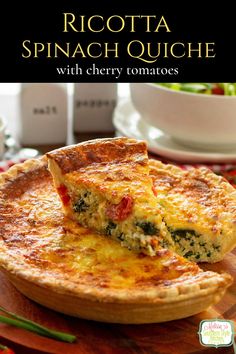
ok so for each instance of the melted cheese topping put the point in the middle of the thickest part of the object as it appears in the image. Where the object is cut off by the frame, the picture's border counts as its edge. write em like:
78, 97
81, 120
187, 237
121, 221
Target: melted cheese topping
37, 235
115, 180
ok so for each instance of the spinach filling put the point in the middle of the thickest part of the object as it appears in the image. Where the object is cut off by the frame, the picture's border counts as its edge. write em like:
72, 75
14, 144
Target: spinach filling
188, 254
179, 234
216, 247
121, 237
110, 226
81, 205
164, 244
148, 227
191, 254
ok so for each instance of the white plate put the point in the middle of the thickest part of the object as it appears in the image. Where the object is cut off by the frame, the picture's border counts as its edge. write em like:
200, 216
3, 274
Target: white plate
128, 122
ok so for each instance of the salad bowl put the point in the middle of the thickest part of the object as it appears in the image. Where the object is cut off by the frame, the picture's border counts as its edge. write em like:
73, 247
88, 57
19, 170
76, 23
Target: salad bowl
199, 120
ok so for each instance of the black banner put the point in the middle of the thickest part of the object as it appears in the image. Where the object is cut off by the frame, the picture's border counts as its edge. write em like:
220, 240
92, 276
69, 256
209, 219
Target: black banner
74, 41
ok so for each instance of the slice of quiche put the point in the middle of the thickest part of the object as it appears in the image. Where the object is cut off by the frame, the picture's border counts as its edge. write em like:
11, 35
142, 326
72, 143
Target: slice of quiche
105, 185
199, 210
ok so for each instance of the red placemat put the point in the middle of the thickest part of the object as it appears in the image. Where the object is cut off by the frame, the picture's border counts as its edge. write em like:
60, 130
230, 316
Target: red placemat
5, 164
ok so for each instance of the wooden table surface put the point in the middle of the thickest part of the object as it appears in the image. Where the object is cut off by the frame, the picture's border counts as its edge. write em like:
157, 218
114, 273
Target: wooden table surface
177, 337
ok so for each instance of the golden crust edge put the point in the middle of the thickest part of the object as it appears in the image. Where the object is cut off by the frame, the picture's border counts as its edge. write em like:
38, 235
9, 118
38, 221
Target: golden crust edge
17, 169
73, 157
206, 171
206, 282
119, 312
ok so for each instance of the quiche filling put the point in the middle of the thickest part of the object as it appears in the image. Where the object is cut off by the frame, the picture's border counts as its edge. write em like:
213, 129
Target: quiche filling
128, 221
194, 246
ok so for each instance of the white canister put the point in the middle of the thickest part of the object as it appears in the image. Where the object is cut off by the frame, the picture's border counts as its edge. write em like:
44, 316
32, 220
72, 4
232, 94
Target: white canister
93, 106
43, 113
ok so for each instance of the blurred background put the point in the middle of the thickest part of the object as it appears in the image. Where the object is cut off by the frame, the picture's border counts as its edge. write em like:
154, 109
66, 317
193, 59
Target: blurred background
37, 117
11, 100
185, 123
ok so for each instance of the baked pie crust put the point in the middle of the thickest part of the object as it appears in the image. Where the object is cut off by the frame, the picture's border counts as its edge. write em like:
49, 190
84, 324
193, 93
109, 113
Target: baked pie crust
63, 266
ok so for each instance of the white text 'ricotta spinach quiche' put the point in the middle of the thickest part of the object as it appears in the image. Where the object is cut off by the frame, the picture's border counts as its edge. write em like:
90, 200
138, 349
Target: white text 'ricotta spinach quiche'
199, 210
59, 264
105, 185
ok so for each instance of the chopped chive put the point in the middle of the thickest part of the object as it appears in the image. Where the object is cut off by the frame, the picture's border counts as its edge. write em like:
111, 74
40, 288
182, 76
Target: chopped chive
3, 346
21, 322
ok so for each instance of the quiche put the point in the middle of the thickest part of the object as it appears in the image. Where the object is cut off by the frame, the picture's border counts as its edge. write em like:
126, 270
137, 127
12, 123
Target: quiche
105, 185
199, 210
59, 264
